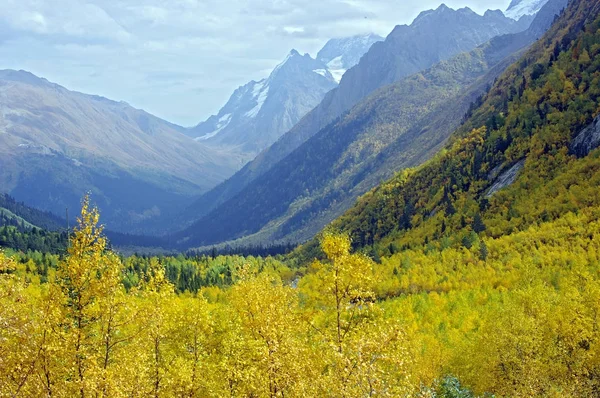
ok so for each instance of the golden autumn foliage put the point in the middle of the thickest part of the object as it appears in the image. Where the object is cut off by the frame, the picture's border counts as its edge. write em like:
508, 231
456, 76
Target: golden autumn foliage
83, 335
521, 322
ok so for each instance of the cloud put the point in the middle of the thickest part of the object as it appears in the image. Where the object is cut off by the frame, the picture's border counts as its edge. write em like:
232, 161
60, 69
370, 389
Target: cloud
182, 59
293, 29
61, 21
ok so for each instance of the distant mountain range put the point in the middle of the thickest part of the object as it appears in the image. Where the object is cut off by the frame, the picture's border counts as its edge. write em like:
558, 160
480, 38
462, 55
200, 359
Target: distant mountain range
56, 144
258, 113
434, 36
326, 130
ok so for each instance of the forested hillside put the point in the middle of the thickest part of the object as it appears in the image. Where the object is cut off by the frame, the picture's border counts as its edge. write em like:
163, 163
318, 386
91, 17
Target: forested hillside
25, 229
399, 126
527, 121
40, 219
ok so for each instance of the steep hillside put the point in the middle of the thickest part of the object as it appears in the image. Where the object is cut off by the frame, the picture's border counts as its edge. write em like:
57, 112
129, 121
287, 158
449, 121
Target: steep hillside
56, 144
258, 113
524, 157
434, 36
31, 216
397, 127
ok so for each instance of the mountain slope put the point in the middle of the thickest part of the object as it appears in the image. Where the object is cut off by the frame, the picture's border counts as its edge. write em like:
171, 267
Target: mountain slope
516, 162
34, 217
433, 37
56, 144
258, 113
397, 127
342, 54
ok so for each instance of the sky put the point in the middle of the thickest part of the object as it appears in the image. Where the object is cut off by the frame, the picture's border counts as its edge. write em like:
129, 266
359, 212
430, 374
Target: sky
182, 59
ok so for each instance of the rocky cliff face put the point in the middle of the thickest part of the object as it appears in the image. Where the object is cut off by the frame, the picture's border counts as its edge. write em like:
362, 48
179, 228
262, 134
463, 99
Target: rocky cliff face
505, 178
587, 140
434, 36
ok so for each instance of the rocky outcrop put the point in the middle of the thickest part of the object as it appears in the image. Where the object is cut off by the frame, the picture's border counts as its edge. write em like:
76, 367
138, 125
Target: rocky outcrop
505, 179
587, 140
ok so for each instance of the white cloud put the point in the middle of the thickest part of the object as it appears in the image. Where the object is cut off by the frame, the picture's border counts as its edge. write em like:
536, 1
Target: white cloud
34, 21
62, 21
181, 59
293, 29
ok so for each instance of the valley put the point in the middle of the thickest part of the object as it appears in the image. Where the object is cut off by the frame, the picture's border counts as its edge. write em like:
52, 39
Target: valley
414, 216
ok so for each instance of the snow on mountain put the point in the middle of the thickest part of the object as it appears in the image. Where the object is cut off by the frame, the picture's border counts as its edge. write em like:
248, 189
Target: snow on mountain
259, 93
258, 113
342, 54
222, 123
520, 8
336, 68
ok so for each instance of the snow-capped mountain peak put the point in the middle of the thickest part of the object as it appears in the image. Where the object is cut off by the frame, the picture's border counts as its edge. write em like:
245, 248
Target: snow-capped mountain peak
520, 8
222, 123
293, 53
258, 113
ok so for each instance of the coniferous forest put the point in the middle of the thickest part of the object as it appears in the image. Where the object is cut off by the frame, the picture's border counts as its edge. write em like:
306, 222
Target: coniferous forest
475, 274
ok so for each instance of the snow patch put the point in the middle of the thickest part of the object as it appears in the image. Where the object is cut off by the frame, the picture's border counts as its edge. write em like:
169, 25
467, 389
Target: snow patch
336, 68
259, 93
519, 9
221, 124
321, 72
225, 118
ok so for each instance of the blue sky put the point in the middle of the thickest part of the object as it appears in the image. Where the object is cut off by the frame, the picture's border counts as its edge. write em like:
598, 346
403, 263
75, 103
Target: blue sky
181, 59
